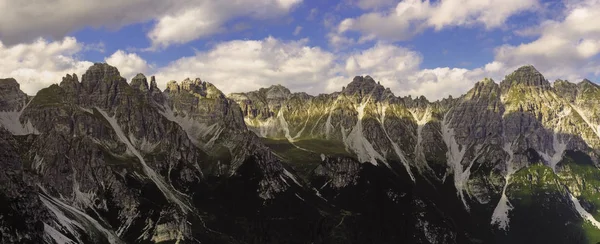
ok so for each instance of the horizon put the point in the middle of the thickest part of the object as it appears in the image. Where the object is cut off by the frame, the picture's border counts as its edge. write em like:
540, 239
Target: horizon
164, 87
414, 47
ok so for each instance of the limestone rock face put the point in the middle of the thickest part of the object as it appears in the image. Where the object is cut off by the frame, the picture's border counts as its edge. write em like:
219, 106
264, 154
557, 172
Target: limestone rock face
22, 211
11, 96
525, 76
478, 141
102, 148
105, 161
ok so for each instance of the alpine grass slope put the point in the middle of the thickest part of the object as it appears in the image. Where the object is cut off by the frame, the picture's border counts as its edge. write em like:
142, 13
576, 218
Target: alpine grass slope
105, 161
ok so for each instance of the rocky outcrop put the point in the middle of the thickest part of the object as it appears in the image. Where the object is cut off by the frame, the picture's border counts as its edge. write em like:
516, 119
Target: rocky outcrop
102, 160
11, 96
103, 147
22, 215
526, 76
478, 140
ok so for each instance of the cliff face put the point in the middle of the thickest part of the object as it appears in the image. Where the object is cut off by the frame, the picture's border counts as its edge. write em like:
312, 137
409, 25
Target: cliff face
479, 142
105, 161
112, 161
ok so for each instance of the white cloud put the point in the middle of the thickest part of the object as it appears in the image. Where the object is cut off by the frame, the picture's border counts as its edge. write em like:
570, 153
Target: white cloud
338, 41
411, 17
244, 65
567, 48
129, 64
41, 63
96, 47
297, 30
29, 20
374, 4
399, 69
177, 21
312, 14
206, 18
237, 66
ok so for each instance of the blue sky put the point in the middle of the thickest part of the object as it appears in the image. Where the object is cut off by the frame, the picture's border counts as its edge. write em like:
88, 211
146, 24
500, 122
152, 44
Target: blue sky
415, 47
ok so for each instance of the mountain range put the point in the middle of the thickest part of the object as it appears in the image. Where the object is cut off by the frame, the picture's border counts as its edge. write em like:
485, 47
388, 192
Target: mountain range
102, 160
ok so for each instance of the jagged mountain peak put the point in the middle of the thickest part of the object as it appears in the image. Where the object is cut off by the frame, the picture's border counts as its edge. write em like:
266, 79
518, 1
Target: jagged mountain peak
115, 146
196, 87
99, 71
11, 96
153, 86
140, 82
360, 82
587, 83
525, 76
487, 81
560, 82
8, 82
364, 86
363, 79
277, 91
101, 76
420, 98
566, 89
485, 88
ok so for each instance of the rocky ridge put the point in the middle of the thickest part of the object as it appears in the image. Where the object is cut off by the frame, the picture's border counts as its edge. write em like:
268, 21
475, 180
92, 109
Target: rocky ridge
105, 161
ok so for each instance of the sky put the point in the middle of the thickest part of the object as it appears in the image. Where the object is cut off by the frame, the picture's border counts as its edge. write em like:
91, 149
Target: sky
415, 47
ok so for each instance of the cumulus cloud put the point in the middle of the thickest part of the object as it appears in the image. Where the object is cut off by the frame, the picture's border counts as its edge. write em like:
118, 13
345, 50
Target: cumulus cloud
567, 48
297, 30
41, 63
28, 20
399, 69
176, 21
129, 64
238, 66
244, 65
410, 17
241, 65
374, 4
204, 18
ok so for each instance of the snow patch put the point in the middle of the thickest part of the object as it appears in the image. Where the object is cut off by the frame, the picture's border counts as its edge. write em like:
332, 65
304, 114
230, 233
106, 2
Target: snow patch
51, 234
126, 224
303, 127
299, 197
61, 219
87, 110
420, 124
162, 186
559, 150
595, 128
584, 214
193, 128
323, 157
143, 144
59, 208
357, 142
395, 146
38, 163
286, 130
328, 125
291, 176
262, 128
284, 126
500, 215
455, 157
10, 121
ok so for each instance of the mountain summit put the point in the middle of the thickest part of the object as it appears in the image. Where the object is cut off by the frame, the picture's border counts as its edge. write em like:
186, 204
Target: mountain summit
106, 161
525, 76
